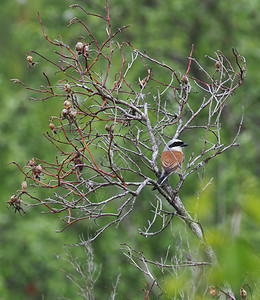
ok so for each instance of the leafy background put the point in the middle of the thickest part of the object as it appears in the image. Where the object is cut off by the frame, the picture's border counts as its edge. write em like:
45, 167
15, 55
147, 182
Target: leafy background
30, 251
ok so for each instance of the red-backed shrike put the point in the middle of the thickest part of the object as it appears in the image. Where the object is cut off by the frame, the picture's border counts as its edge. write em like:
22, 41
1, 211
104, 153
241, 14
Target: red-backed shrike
171, 159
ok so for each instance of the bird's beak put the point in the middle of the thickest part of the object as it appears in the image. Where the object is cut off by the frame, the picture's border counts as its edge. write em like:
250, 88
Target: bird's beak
185, 145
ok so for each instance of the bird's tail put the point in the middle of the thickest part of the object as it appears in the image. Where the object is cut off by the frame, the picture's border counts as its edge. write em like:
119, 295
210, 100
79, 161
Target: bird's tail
160, 180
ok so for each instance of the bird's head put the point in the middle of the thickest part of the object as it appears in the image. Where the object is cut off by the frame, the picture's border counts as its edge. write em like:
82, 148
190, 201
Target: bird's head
175, 144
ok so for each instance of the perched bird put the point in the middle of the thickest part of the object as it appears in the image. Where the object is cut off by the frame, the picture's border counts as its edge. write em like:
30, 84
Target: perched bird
171, 159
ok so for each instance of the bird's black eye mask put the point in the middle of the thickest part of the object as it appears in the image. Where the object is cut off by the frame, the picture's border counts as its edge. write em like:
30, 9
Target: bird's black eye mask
176, 144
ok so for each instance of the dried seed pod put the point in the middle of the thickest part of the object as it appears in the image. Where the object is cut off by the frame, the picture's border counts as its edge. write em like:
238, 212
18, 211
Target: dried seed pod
243, 293
107, 127
144, 81
67, 104
79, 47
213, 291
78, 161
16, 203
64, 113
29, 58
52, 126
72, 112
86, 48
36, 173
218, 64
38, 169
24, 185
32, 162
185, 79
67, 88
12, 200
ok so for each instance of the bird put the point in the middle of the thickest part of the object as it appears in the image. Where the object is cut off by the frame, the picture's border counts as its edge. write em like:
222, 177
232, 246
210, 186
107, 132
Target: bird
171, 159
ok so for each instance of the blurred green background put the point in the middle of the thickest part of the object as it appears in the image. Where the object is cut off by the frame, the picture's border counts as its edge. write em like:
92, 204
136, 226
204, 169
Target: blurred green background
29, 247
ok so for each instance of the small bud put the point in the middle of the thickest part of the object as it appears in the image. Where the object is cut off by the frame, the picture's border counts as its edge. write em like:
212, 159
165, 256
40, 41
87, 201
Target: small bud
67, 104
24, 185
67, 88
29, 58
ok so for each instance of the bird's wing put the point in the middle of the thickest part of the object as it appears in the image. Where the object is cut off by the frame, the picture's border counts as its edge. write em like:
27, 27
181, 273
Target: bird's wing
172, 161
